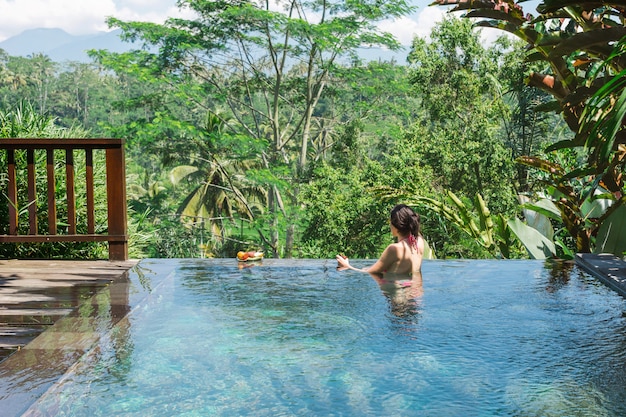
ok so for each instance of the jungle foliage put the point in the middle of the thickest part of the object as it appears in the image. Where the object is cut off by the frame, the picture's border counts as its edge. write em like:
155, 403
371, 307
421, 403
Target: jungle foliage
251, 127
581, 47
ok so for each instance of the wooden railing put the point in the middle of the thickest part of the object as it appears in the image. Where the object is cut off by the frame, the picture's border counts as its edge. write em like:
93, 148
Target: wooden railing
116, 234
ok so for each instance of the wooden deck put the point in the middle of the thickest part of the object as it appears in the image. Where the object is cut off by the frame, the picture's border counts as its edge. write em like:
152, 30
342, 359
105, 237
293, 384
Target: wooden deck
35, 294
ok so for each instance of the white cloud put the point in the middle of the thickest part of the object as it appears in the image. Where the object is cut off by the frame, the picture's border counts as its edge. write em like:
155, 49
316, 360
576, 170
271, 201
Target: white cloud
149, 10
144, 3
420, 24
86, 16
156, 16
404, 29
428, 18
489, 36
79, 17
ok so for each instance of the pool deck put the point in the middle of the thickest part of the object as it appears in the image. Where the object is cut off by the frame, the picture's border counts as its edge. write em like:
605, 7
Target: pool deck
34, 294
608, 268
40, 295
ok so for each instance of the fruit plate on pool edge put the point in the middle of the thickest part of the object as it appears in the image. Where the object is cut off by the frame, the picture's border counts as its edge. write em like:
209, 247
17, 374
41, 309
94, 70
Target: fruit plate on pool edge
249, 256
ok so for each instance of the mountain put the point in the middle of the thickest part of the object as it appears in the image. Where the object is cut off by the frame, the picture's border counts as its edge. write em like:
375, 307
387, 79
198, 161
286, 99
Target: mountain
60, 46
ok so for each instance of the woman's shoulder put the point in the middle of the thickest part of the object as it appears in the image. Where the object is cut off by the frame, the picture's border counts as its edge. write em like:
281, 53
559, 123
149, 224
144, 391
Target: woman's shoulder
394, 247
392, 250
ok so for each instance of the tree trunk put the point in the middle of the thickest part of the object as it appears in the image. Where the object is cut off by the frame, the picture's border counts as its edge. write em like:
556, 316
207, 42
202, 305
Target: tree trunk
289, 239
274, 212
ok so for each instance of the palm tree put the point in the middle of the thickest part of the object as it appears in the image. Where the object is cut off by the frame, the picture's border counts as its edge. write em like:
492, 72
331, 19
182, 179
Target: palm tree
222, 189
43, 69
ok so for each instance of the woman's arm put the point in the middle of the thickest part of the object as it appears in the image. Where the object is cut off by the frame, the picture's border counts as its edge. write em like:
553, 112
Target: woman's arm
379, 267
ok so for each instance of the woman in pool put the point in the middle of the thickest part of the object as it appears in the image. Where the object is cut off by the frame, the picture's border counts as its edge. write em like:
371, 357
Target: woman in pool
401, 262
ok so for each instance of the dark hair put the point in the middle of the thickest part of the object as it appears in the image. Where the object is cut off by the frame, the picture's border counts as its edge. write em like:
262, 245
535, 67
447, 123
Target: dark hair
405, 220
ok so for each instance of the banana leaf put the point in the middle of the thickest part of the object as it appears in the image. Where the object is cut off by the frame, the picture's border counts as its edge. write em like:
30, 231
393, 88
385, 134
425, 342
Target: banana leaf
177, 174
537, 245
429, 253
538, 216
594, 208
612, 233
546, 207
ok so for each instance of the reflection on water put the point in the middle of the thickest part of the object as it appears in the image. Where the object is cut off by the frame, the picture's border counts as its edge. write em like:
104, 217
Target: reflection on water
27, 374
486, 338
559, 274
404, 296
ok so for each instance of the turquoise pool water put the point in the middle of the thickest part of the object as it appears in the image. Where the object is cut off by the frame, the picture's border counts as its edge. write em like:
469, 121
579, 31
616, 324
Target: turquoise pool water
298, 338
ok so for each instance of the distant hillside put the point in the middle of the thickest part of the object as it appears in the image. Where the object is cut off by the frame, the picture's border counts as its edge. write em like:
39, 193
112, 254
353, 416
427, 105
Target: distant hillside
60, 46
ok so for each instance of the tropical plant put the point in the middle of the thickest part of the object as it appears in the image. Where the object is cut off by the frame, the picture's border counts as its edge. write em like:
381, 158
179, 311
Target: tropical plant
8, 78
526, 129
579, 42
490, 232
496, 234
222, 189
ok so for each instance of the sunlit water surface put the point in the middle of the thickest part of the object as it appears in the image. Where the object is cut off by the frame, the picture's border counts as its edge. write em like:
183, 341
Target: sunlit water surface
298, 338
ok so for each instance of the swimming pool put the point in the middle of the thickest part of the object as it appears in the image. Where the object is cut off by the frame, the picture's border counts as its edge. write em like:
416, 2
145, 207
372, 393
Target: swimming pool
298, 338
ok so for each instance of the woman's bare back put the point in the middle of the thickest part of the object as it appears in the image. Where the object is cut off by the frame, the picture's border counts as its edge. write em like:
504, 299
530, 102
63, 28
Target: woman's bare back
408, 259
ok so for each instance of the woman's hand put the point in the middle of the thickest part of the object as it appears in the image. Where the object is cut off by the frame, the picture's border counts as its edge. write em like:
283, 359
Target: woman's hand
342, 262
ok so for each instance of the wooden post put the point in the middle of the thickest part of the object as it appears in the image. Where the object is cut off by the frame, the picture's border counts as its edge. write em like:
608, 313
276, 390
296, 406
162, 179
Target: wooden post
12, 191
91, 217
32, 191
52, 205
116, 192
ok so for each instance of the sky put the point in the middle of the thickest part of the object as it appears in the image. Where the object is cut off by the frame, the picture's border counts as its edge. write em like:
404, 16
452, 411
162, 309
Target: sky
81, 17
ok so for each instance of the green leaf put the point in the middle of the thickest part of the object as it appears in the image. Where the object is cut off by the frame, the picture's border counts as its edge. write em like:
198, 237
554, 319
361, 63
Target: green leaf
536, 218
563, 144
595, 207
567, 252
545, 207
429, 253
612, 233
192, 205
593, 41
178, 173
537, 245
545, 166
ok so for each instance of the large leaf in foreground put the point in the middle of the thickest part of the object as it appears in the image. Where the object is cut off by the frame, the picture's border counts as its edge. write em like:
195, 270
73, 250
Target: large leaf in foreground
612, 233
537, 245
